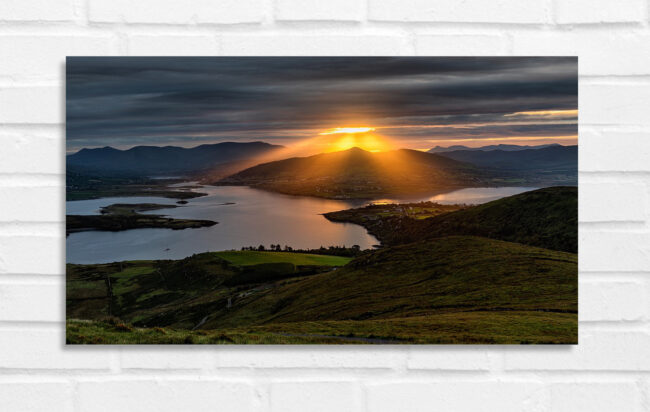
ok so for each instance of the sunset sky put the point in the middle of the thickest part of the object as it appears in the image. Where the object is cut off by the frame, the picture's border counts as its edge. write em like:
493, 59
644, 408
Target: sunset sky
413, 102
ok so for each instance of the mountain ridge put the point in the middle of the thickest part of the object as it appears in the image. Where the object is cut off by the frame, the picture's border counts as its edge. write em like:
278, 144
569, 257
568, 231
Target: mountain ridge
548, 158
504, 147
167, 159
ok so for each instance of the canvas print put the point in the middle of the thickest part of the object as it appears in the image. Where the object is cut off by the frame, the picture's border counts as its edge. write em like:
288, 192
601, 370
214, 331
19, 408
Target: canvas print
321, 200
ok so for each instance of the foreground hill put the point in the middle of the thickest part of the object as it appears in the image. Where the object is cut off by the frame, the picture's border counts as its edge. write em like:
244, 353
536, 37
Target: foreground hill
152, 160
356, 173
554, 158
447, 290
545, 218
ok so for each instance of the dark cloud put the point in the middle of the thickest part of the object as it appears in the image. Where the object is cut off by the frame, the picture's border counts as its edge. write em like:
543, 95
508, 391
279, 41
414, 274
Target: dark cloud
126, 101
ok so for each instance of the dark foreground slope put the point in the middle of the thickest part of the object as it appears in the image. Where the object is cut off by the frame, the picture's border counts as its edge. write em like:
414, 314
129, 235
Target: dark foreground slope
546, 218
448, 290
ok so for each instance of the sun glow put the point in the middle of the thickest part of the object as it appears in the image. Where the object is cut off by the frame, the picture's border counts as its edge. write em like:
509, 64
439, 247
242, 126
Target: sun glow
361, 137
348, 130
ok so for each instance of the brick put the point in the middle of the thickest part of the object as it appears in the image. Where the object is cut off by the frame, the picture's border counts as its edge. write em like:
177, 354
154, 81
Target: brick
339, 10
32, 302
43, 57
460, 45
611, 301
36, 396
594, 397
597, 351
600, 52
145, 45
26, 204
315, 396
310, 357
620, 151
313, 45
32, 150
454, 396
36, 10
45, 103
599, 11
613, 251
470, 11
448, 358
173, 12
160, 396
617, 202
32, 255
45, 349
617, 104
161, 357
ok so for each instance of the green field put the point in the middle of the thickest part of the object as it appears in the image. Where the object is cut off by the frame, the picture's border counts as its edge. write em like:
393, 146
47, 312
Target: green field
247, 257
449, 290
453, 328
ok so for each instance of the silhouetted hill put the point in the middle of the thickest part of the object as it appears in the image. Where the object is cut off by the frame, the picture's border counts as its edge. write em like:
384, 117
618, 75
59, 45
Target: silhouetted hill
504, 147
152, 160
552, 158
356, 173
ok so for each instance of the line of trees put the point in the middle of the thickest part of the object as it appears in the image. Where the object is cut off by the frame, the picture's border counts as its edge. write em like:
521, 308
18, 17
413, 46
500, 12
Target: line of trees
352, 251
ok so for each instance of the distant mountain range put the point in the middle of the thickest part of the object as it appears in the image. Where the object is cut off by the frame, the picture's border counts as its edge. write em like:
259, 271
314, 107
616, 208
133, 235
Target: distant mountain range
155, 160
356, 173
550, 158
503, 147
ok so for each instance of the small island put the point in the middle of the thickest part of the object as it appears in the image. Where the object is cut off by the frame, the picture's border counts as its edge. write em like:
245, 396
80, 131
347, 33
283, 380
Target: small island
124, 216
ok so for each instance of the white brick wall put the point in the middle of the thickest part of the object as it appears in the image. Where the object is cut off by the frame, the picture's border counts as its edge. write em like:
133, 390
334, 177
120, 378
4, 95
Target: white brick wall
608, 371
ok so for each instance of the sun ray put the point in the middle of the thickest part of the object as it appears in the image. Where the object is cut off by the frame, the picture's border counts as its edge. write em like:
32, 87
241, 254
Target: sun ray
348, 130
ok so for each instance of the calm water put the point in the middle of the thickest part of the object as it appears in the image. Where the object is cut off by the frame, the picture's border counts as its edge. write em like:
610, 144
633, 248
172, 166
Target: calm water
256, 217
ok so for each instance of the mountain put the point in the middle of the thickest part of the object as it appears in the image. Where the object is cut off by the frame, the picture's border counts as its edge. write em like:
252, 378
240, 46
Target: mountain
153, 160
356, 173
545, 218
504, 147
552, 158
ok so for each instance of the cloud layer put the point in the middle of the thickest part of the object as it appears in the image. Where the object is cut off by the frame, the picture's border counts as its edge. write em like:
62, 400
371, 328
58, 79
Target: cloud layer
418, 101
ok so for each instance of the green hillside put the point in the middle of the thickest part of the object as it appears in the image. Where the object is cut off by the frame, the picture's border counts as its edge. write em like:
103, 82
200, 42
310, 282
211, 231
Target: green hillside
454, 289
546, 218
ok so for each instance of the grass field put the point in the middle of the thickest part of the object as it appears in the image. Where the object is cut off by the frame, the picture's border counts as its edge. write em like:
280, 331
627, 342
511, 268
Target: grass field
452, 328
456, 289
247, 257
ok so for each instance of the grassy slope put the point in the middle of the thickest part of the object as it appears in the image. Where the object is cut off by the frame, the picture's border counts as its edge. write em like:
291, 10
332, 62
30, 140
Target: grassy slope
441, 276
246, 257
448, 290
179, 292
546, 218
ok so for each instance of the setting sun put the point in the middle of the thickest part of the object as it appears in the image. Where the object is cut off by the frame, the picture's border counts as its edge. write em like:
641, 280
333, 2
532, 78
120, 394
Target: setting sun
360, 137
348, 130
